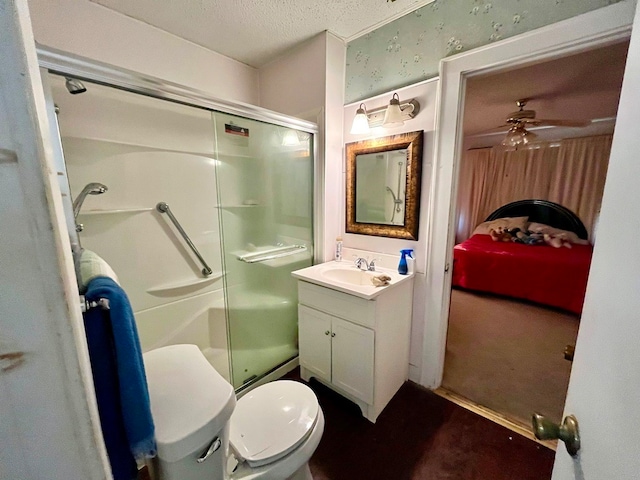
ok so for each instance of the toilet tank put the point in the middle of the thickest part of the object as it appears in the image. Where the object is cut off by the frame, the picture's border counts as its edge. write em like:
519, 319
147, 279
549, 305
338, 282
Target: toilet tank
191, 405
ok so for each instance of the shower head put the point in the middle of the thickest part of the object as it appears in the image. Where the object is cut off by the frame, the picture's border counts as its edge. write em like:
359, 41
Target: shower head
89, 189
74, 86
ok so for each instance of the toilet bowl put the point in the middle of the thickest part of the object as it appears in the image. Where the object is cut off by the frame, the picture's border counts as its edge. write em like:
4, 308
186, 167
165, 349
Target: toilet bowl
204, 434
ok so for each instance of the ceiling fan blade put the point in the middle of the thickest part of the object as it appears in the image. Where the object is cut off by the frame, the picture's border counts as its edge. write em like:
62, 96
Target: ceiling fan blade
503, 127
544, 122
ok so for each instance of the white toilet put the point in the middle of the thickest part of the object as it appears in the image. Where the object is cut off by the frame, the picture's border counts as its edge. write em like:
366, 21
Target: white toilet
202, 432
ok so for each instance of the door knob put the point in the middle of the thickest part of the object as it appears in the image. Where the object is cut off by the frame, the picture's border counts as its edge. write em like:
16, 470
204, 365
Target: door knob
327, 332
568, 432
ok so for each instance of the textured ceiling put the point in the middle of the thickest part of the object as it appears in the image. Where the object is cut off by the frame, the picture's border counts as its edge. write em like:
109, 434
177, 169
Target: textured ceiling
582, 87
257, 31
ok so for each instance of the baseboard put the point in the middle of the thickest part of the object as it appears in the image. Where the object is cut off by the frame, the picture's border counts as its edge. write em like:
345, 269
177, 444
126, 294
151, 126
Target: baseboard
513, 425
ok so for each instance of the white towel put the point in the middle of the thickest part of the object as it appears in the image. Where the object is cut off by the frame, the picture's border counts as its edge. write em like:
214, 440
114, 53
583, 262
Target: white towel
92, 266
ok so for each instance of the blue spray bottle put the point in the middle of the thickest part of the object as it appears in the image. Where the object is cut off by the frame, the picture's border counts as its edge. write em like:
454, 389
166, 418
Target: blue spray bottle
403, 268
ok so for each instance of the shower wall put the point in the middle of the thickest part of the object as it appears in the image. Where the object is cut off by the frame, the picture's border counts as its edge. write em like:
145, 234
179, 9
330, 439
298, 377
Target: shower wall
146, 151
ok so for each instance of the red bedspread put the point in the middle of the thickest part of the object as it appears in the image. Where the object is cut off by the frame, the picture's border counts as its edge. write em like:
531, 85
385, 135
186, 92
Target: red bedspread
552, 276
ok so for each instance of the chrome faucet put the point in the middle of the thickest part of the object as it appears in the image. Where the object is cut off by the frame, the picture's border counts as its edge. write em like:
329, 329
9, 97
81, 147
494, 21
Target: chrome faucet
360, 261
372, 264
368, 265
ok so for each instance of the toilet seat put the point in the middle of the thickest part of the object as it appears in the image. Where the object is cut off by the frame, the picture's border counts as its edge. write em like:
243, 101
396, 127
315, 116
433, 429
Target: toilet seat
271, 421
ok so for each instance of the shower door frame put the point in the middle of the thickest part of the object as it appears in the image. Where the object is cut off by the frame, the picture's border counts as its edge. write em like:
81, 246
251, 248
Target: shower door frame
63, 63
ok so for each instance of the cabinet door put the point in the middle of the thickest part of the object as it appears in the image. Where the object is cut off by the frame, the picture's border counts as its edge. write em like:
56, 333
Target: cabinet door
314, 339
352, 355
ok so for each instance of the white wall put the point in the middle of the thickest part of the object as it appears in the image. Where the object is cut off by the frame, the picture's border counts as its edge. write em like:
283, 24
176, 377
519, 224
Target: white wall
294, 84
333, 144
90, 30
425, 94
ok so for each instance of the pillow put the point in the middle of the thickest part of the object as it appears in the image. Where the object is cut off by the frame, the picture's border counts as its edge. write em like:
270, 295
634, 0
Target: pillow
567, 235
507, 223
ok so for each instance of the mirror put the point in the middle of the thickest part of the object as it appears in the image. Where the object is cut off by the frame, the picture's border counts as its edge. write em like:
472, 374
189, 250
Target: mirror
383, 186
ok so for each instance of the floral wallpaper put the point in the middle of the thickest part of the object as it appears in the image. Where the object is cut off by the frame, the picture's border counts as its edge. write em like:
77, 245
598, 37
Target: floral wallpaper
409, 49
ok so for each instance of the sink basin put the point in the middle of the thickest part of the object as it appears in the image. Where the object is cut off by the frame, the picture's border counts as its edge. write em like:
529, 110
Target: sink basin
346, 277
354, 277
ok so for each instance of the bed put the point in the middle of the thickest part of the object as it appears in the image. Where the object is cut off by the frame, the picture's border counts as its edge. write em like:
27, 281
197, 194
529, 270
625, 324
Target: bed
556, 277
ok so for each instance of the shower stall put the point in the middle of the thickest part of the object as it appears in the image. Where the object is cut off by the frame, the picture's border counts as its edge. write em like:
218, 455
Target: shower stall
240, 184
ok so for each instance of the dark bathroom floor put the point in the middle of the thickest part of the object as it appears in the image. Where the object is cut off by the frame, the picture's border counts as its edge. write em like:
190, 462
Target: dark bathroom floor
420, 435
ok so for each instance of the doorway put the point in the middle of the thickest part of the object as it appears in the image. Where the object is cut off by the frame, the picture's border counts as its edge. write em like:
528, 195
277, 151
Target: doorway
577, 35
515, 307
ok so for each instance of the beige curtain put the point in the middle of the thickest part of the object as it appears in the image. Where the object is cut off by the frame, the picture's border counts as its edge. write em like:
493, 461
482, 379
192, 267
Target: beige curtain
571, 173
579, 177
473, 181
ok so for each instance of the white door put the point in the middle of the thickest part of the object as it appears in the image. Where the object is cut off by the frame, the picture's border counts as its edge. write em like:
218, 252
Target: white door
604, 390
352, 353
49, 425
314, 341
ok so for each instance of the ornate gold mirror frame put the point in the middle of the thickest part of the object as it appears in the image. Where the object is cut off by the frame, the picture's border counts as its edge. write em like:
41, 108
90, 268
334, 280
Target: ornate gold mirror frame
412, 142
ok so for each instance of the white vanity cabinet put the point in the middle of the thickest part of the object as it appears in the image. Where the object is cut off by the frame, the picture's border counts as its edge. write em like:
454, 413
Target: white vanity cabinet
337, 351
358, 347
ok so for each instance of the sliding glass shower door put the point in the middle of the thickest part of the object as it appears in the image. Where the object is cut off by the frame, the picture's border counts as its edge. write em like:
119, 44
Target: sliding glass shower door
264, 178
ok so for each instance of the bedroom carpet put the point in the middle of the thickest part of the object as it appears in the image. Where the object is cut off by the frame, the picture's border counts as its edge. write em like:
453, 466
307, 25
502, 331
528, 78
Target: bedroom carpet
508, 355
421, 436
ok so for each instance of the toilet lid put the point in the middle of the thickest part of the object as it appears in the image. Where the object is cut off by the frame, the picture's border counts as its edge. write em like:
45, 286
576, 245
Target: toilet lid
272, 420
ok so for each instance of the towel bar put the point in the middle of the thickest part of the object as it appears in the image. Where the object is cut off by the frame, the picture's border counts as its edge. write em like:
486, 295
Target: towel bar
85, 304
272, 253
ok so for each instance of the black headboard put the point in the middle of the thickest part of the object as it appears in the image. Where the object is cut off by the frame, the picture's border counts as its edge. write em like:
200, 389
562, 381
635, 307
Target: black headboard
543, 211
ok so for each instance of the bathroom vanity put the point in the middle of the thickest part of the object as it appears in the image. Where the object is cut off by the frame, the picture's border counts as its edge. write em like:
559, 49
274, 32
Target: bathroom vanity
353, 336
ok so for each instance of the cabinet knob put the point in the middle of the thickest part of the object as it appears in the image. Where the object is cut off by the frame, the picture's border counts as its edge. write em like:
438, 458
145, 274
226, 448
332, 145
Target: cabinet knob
327, 332
333, 334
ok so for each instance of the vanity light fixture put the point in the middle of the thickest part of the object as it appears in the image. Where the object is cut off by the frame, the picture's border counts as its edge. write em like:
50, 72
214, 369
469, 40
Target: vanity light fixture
360, 121
393, 115
290, 139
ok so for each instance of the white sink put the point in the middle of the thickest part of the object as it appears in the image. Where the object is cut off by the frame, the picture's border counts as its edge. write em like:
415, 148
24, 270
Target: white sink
346, 277
351, 276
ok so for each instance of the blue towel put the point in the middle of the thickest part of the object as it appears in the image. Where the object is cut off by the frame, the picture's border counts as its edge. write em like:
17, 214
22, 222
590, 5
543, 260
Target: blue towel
119, 378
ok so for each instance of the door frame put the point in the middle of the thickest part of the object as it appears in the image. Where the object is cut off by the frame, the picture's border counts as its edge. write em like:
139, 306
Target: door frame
591, 30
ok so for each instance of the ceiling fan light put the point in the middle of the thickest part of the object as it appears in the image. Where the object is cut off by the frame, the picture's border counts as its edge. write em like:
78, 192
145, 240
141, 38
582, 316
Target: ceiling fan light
360, 123
528, 137
518, 136
393, 114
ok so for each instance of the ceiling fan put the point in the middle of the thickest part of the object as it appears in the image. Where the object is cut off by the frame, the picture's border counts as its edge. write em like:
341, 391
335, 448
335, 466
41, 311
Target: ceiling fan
518, 135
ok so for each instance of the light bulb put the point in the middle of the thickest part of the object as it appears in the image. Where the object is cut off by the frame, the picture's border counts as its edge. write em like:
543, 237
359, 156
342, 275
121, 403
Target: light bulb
393, 115
360, 121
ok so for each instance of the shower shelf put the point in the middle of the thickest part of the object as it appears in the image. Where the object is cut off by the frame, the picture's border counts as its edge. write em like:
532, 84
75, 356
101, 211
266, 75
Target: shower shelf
230, 207
168, 287
116, 211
